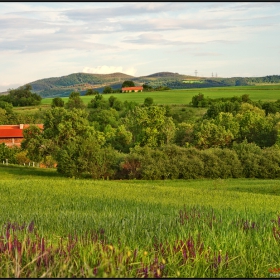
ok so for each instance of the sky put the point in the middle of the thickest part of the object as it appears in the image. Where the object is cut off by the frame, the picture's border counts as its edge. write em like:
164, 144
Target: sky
52, 39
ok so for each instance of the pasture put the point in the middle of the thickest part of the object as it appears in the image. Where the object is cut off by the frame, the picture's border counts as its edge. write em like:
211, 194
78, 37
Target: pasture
180, 228
184, 96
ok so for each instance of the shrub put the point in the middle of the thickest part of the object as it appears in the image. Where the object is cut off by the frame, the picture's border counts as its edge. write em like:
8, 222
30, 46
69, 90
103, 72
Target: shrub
21, 158
249, 155
8, 153
269, 163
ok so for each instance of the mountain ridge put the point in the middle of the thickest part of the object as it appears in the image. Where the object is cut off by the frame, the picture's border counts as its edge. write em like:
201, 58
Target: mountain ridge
64, 85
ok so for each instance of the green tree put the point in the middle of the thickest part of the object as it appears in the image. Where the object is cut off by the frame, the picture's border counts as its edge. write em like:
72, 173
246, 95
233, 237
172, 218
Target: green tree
104, 117
85, 156
62, 127
98, 102
209, 134
107, 89
256, 127
149, 126
33, 143
112, 100
91, 92
199, 101
23, 96
4, 119
8, 153
75, 101
218, 107
123, 139
147, 87
6, 106
148, 101
128, 84
57, 102
184, 134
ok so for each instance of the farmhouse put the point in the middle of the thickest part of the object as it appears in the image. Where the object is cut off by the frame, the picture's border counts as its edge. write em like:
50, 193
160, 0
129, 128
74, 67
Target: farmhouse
12, 135
130, 89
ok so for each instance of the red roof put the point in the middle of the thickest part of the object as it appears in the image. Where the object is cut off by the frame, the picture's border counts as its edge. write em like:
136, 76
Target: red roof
11, 133
132, 88
9, 126
14, 131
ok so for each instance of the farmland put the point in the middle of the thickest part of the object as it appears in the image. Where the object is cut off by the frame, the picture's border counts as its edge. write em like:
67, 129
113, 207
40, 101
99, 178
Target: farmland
178, 228
54, 226
184, 96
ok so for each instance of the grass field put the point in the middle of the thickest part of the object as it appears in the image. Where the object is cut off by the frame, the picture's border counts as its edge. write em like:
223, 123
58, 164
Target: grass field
181, 228
184, 96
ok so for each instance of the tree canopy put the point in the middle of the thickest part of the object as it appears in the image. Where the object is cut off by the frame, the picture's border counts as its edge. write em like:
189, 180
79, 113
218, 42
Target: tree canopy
22, 97
128, 84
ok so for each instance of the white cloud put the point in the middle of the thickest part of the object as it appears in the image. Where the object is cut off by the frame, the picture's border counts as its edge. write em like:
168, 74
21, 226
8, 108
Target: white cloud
104, 69
56, 39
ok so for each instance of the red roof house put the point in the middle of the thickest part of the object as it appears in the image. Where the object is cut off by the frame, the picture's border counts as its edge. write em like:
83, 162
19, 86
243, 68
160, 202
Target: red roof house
12, 135
130, 89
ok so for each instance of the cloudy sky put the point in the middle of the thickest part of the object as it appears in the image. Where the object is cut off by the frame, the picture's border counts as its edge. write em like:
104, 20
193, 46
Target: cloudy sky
43, 40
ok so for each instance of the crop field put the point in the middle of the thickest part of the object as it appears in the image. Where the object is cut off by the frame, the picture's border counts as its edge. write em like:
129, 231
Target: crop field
60, 227
184, 96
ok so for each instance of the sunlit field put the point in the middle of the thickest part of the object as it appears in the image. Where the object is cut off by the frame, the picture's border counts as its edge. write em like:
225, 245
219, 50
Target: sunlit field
61, 227
184, 96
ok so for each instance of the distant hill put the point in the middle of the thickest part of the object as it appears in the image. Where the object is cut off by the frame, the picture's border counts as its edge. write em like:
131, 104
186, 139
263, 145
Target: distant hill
63, 86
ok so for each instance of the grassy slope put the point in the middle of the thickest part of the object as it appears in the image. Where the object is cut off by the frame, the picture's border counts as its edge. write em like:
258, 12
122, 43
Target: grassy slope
137, 214
184, 96
59, 205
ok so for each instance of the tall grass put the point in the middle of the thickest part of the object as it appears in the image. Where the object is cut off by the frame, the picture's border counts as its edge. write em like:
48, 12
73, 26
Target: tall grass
57, 227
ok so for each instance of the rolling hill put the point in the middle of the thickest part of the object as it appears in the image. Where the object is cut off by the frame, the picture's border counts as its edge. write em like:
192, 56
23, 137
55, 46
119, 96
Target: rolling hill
63, 86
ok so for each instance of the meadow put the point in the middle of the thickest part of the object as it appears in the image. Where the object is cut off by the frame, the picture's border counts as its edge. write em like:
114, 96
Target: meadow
184, 96
61, 227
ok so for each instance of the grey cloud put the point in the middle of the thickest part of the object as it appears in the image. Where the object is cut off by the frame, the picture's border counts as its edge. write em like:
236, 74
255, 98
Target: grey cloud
122, 11
52, 41
21, 23
155, 38
172, 24
151, 39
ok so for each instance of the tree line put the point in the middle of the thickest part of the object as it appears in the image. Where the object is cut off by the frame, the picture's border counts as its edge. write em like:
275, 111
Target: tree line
112, 139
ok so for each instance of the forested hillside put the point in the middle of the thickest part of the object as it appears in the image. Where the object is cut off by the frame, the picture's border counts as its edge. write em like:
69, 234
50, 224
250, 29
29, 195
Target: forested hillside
63, 86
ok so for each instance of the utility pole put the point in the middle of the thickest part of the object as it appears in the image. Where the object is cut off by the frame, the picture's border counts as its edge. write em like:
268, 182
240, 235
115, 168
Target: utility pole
195, 72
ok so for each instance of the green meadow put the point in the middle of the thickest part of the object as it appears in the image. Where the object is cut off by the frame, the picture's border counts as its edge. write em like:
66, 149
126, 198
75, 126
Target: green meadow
57, 227
179, 228
184, 96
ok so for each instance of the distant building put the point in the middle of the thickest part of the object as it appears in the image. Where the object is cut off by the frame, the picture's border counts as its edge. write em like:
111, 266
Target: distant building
12, 135
130, 89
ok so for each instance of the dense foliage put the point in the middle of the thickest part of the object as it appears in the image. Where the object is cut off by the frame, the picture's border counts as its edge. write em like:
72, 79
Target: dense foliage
22, 97
113, 139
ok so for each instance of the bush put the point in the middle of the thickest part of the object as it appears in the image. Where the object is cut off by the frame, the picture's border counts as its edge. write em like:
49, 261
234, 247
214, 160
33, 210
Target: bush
107, 89
8, 153
269, 163
184, 163
249, 155
85, 157
21, 158
148, 101
230, 165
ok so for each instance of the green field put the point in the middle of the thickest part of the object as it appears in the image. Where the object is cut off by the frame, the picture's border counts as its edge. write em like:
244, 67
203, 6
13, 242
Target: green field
236, 221
184, 96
